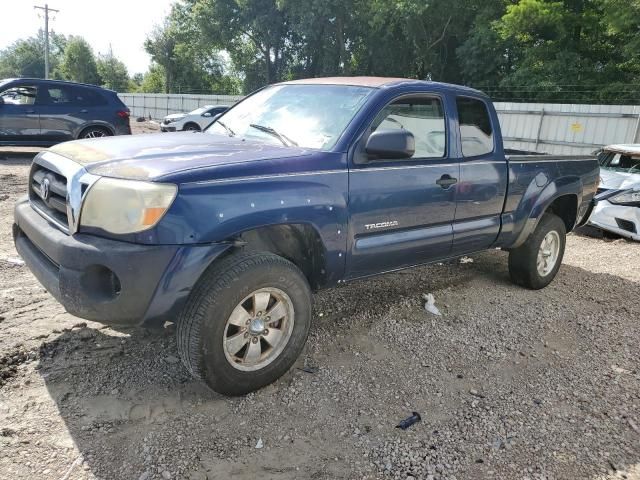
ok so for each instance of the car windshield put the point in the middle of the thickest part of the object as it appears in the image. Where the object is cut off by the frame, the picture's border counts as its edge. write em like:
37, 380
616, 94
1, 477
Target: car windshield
309, 116
619, 162
201, 110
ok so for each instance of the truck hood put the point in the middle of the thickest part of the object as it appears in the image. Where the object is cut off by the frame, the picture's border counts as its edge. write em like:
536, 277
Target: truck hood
612, 180
148, 157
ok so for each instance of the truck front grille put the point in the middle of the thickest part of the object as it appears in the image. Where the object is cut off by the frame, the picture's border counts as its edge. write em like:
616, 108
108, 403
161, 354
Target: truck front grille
48, 193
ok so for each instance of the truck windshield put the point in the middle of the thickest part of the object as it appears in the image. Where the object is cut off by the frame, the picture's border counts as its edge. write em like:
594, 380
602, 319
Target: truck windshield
309, 116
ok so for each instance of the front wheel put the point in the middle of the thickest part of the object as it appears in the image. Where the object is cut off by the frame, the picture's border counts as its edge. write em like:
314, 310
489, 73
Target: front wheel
535, 263
245, 323
191, 127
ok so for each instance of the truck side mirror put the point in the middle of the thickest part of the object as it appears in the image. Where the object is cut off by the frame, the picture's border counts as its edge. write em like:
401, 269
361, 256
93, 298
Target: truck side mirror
395, 144
206, 114
1, 100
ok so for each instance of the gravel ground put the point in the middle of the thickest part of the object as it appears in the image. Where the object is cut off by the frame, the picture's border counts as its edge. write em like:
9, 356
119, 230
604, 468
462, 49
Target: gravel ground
510, 383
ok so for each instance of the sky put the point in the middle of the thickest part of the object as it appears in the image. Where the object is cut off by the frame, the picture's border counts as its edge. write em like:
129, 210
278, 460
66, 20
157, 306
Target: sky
122, 23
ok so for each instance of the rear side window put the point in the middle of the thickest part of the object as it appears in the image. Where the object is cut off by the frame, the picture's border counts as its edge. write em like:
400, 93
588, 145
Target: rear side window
58, 95
475, 127
21, 95
423, 117
88, 96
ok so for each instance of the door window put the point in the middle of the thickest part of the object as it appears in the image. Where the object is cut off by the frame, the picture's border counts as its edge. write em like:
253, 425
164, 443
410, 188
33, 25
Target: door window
87, 97
58, 95
20, 95
475, 127
423, 117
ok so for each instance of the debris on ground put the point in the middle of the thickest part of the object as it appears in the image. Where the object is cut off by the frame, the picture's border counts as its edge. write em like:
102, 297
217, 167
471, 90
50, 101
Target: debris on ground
407, 422
430, 305
259, 443
466, 260
309, 369
15, 261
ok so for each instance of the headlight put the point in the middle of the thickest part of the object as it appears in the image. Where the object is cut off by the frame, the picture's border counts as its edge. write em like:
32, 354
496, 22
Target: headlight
629, 197
126, 206
169, 120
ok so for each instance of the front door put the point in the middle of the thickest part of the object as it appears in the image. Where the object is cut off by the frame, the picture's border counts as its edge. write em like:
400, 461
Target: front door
19, 119
402, 211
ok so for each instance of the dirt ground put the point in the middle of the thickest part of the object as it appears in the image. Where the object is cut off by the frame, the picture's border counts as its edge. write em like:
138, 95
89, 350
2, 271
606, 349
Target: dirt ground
510, 383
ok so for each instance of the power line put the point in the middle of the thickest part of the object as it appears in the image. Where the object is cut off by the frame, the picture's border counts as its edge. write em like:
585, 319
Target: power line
46, 35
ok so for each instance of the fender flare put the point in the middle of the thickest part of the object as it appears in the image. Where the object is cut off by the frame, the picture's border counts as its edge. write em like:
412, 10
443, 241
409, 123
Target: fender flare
542, 198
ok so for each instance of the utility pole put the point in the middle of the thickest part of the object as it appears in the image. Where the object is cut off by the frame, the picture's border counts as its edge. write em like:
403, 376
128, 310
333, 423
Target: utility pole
46, 36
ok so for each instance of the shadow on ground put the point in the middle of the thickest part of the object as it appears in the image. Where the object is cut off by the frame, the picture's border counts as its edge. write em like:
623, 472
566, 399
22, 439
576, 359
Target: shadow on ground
554, 374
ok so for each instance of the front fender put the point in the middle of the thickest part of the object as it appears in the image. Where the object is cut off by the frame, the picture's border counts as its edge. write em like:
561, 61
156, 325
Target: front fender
218, 210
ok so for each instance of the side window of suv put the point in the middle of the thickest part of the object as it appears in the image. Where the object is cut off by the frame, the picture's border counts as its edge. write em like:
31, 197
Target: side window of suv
20, 95
58, 95
87, 97
475, 127
423, 117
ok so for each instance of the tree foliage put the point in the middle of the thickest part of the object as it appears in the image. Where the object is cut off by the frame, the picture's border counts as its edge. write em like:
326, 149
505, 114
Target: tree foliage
575, 50
78, 62
113, 73
25, 57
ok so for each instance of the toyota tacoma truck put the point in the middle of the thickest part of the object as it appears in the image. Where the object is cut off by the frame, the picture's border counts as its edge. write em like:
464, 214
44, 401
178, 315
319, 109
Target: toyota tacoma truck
301, 186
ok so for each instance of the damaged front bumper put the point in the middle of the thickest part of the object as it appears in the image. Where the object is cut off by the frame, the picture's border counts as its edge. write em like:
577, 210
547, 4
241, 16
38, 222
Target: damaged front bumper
109, 281
622, 220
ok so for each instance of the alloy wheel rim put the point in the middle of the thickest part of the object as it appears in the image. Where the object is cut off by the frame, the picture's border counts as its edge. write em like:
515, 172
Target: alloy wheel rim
258, 329
95, 134
548, 253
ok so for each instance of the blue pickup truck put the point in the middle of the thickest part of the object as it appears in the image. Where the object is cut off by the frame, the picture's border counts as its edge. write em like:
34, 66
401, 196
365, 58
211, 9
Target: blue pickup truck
301, 186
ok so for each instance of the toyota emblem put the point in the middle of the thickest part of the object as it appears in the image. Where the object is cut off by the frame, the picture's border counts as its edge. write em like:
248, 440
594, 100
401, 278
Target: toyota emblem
44, 189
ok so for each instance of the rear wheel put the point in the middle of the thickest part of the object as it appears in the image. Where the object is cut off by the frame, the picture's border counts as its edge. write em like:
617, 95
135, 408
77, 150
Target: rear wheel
536, 262
192, 127
245, 323
95, 132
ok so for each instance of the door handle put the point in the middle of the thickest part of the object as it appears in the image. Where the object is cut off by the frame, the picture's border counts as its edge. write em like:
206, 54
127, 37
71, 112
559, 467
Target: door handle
445, 181
84, 110
31, 111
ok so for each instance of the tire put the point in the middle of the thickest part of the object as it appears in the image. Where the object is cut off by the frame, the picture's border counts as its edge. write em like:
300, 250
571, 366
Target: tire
94, 132
523, 261
204, 329
191, 127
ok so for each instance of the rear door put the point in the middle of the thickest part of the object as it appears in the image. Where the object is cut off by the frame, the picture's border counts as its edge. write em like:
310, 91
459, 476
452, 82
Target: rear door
93, 105
483, 178
401, 211
59, 114
19, 119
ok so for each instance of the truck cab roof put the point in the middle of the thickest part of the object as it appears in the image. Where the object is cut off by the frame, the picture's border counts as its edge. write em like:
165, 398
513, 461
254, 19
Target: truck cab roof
381, 82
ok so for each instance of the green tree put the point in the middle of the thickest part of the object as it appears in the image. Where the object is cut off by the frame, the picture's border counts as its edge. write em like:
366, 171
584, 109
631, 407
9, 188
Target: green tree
153, 80
254, 32
113, 72
25, 57
78, 62
190, 64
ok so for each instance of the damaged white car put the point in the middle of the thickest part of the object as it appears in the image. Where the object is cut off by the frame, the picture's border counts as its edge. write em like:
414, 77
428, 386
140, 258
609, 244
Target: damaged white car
618, 207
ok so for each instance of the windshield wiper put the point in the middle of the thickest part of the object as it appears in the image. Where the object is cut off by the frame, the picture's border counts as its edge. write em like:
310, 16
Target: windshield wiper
228, 129
286, 141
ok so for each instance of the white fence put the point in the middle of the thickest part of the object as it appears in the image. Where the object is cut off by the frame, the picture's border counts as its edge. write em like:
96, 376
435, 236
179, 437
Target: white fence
562, 129
567, 129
